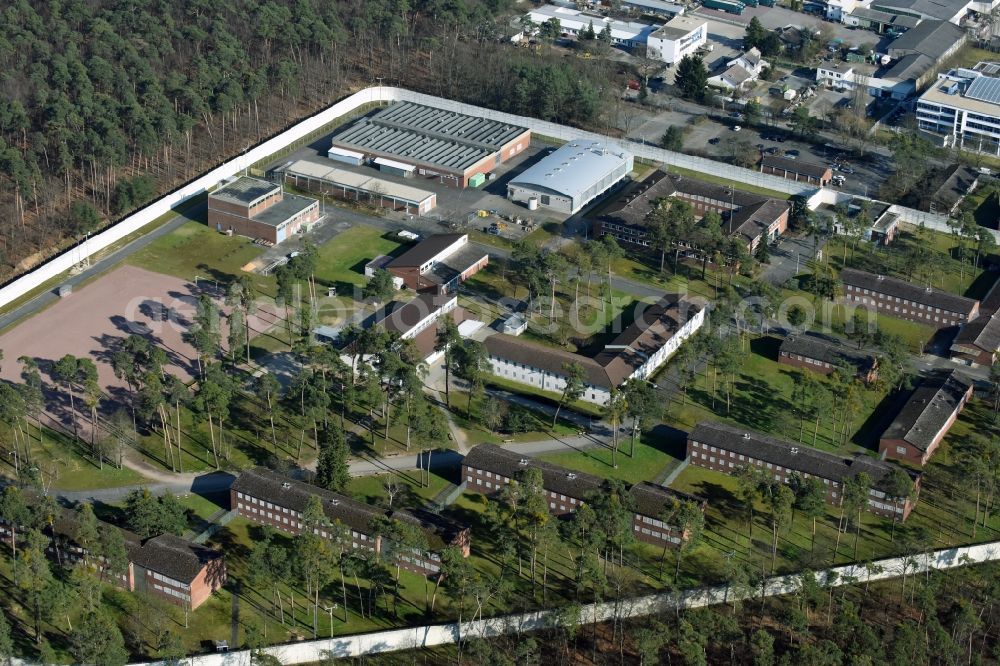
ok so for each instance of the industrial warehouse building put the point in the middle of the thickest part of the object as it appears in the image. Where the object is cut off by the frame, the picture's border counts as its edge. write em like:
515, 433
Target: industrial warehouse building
571, 177
352, 186
259, 209
413, 140
681, 36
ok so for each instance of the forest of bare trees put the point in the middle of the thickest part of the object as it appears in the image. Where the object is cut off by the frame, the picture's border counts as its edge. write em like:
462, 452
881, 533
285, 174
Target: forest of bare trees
108, 103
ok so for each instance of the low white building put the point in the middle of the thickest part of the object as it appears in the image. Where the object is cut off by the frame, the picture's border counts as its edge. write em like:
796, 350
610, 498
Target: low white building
964, 105
740, 71
837, 10
681, 36
878, 82
636, 354
573, 22
572, 176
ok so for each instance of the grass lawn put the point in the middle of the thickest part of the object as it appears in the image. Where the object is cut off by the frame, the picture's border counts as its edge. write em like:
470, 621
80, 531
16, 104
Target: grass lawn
762, 399
195, 250
539, 425
341, 261
67, 465
652, 457
943, 272
916, 335
371, 489
746, 187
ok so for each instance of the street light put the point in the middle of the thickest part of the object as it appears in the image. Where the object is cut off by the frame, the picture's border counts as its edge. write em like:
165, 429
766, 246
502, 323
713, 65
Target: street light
16, 465
330, 609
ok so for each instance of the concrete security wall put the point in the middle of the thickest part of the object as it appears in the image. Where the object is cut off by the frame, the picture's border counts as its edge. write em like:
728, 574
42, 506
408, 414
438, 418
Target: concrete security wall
432, 635
67, 260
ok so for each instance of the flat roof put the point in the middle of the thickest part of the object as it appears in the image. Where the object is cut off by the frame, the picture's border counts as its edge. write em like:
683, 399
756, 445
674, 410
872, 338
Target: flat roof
418, 134
290, 205
347, 153
384, 161
358, 181
245, 191
796, 166
577, 20
678, 27
573, 168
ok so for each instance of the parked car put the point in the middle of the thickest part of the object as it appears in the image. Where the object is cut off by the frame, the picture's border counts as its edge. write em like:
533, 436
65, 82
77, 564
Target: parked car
714, 140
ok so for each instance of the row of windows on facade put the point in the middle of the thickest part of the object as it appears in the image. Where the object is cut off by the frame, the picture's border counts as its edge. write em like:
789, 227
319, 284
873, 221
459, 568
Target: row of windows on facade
806, 359
167, 579
897, 299
753, 461
666, 536
172, 592
500, 368
294, 523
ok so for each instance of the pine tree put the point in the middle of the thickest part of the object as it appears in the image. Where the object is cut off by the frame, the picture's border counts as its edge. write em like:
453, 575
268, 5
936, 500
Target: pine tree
332, 470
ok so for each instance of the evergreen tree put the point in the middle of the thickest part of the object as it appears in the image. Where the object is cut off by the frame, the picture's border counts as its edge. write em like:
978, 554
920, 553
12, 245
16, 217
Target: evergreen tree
97, 640
332, 470
691, 78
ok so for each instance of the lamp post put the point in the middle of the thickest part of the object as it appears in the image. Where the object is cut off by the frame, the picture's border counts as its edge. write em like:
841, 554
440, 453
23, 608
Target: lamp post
16, 465
330, 609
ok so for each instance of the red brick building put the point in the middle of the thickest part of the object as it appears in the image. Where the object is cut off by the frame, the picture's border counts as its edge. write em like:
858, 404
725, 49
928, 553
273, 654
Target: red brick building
416, 141
176, 570
259, 209
268, 498
747, 215
978, 341
487, 468
438, 264
797, 170
924, 305
726, 448
926, 417
824, 355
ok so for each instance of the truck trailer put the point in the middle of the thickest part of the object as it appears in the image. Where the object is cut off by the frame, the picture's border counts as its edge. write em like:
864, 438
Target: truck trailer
729, 6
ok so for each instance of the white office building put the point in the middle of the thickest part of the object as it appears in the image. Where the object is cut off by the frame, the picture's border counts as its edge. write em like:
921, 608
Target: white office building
573, 22
964, 106
572, 176
681, 36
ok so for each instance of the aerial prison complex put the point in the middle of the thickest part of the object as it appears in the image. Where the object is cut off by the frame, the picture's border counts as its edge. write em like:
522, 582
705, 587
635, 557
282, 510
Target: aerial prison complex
412, 140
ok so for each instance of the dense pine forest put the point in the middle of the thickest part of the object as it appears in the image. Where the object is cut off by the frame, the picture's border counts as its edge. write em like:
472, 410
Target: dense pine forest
108, 102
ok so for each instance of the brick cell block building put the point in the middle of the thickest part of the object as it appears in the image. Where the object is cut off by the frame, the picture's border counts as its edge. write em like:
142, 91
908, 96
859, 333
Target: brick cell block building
898, 298
797, 170
748, 216
439, 264
726, 448
449, 147
268, 498
487, 468
926, 417
176, 570
978, 341
259, 209
823, 355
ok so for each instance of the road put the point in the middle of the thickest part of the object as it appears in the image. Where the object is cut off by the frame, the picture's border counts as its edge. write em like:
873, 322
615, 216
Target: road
49, 296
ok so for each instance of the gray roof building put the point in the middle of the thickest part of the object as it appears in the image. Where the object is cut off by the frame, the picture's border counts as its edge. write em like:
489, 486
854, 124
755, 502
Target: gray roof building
429, 136
829, 351
175, 557
890, 286
795, 166
572, 176
653, 500
934, 39
750, 222
246, 191
929, 410
555, 478
277, 213
944, 10
979, 335
796, 457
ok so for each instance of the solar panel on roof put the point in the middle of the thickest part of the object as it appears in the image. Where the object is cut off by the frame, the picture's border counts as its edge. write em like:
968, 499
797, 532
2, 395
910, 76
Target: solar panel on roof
985, 89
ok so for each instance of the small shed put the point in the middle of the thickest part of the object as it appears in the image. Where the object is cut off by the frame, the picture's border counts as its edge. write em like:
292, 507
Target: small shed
379, 262
394, 168
516, 324
352, 157
477, 180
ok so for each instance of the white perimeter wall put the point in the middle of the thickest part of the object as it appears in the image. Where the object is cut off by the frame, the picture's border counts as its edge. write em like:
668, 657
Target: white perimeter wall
428, 636
64, 262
